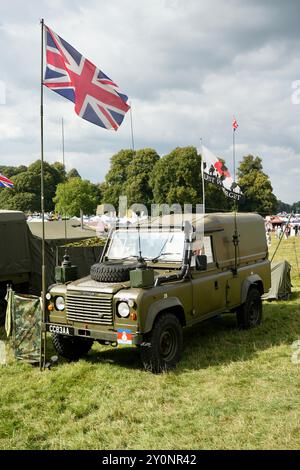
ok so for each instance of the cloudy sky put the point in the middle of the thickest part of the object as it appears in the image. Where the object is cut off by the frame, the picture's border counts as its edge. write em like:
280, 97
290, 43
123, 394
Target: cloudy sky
187, 66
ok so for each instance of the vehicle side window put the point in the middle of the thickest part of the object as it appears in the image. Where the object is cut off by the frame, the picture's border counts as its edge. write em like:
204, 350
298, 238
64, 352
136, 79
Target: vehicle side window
203, 247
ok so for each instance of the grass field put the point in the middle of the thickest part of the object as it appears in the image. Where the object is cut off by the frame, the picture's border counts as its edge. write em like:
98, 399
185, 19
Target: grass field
232, 390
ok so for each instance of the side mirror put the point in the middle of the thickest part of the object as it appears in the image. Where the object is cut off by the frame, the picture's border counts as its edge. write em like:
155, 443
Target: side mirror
201, 262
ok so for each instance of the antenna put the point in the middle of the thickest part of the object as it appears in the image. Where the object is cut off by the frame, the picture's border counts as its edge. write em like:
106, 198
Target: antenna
141, 262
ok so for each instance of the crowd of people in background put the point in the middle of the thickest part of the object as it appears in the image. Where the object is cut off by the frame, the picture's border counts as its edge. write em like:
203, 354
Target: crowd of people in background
284, 226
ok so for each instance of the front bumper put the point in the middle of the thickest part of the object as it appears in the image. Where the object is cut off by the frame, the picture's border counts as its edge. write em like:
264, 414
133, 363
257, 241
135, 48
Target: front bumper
109, 336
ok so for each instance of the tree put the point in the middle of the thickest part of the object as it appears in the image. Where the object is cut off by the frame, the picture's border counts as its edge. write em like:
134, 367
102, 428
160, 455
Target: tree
73, 174
137, 185
296, 207
283, 207
256, 187
30, 182
10, 200
59, 173
26, 193
75, 195
116, 178
176, 178
10, 171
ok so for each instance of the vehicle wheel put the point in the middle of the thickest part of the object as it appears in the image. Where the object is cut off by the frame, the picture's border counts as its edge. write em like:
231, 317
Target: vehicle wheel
162, 347
71, 347
3, 305
111, 272
249, 314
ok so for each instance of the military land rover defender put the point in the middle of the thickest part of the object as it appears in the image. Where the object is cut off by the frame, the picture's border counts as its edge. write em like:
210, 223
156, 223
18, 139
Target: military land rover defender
153, 281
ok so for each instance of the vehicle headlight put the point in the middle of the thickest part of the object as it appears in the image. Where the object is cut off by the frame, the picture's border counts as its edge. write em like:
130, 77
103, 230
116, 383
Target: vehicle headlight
59, 303
123, 309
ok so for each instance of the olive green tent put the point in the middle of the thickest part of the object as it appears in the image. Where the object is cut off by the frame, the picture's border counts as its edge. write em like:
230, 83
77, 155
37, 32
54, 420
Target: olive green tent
280, 281
14, 247
21, 252
82, 257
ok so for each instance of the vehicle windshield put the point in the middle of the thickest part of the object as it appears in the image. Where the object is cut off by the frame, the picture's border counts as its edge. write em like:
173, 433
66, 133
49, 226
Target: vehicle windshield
155, 245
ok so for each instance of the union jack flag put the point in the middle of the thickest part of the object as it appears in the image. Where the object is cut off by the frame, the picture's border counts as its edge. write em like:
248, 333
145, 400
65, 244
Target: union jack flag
5, 182
97, 98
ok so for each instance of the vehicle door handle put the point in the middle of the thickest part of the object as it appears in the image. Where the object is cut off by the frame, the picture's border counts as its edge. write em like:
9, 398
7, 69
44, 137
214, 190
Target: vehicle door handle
216, 285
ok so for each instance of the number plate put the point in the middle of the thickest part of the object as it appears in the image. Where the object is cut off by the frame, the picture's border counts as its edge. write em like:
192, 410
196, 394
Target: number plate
60, 329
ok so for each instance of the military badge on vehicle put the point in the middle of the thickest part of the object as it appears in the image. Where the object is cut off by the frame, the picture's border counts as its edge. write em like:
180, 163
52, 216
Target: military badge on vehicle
124, 336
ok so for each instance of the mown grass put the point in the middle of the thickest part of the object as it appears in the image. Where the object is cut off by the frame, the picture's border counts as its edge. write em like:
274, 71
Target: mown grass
232, 390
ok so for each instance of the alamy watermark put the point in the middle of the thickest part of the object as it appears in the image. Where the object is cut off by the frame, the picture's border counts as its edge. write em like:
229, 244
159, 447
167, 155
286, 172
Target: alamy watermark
160, 216
2, 93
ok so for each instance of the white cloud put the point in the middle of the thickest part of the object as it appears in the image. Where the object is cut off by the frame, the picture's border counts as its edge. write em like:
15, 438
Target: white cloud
187, 67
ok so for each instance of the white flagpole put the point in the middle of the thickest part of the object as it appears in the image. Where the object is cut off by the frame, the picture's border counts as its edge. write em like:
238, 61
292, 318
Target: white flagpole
131, 127
202, 174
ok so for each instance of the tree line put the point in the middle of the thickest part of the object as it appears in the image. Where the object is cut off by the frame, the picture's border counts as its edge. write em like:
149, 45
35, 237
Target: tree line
26, 193
144, 177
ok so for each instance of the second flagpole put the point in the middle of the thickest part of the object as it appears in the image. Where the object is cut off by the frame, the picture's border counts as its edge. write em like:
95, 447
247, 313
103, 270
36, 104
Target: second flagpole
202, 175
235, 237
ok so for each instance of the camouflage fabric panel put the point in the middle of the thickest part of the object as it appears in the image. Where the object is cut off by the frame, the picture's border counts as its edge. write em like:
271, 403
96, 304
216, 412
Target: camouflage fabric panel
27, 328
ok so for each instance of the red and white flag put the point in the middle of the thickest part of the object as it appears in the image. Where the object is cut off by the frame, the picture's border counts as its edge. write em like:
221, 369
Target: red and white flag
215, 171
234, 124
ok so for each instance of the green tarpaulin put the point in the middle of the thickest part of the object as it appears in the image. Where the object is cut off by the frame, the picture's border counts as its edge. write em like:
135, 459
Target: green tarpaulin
281, 286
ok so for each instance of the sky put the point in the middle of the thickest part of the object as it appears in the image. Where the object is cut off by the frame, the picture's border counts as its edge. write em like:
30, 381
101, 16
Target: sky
187, 66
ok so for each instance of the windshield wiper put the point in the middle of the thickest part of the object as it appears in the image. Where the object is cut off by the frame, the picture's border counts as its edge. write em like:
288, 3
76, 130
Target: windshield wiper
154, 260
128, 257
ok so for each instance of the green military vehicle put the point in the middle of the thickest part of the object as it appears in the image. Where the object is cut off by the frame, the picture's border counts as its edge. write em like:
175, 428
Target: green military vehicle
15, 262
153, 281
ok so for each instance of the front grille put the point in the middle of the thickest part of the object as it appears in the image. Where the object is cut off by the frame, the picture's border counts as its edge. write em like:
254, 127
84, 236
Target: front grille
90, 309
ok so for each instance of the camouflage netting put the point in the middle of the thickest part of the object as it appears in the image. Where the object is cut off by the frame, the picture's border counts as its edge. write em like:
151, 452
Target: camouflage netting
23, 326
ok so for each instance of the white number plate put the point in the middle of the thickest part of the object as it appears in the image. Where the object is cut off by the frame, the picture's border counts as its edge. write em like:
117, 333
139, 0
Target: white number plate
61, 330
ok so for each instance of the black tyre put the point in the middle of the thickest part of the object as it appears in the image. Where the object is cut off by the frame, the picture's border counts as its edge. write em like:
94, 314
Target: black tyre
249, 314
162, 347
71, 347
117, 272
